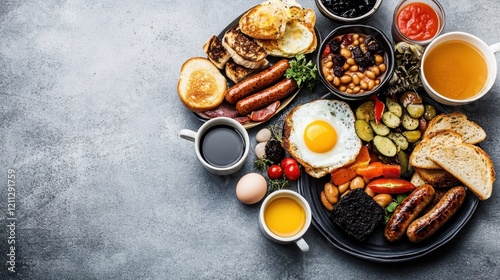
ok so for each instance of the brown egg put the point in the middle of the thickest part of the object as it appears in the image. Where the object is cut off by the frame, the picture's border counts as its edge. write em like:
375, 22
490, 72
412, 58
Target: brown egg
251, 188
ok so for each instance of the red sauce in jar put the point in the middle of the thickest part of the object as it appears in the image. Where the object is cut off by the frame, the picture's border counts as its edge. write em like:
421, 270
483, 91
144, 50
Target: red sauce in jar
418, 21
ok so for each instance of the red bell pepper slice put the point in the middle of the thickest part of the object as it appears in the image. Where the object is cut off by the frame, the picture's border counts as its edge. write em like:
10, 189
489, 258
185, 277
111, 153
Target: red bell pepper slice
378, 109
377, 169
391, 186
326, 51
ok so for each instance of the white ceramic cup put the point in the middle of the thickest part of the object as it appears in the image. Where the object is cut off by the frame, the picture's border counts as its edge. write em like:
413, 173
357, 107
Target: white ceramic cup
296, 238
488, 53
234, 151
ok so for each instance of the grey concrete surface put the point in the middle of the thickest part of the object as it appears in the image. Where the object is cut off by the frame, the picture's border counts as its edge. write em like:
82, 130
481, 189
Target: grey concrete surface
105, 188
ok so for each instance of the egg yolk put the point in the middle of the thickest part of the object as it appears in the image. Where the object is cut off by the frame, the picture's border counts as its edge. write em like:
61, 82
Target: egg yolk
320, 136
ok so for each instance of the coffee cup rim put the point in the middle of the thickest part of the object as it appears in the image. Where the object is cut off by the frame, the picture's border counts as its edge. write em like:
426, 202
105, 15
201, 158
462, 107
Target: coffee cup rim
303, 202
233, 123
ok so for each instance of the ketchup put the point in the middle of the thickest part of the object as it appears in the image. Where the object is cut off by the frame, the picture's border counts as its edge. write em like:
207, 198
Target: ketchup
418, 21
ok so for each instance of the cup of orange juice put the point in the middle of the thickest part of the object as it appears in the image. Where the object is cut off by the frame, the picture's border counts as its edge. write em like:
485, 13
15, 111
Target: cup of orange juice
284, 218
458, 68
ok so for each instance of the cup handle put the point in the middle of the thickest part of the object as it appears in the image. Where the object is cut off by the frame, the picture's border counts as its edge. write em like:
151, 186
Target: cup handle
302, 245
495, 47
187, 134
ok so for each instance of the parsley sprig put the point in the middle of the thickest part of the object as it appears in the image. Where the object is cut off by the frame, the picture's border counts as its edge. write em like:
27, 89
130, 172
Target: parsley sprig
302, 71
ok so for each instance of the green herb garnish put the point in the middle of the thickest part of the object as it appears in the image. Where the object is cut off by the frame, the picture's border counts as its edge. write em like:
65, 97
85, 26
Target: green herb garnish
276, 184
302, 71
389, 210
406, 68
262, 164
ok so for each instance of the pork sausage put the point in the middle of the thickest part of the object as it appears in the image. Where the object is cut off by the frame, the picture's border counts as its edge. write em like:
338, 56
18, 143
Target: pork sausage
408, 211
265, 97
429, 223
257, 82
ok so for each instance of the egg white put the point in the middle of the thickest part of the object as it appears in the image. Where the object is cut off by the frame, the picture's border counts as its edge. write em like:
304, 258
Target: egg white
340, 116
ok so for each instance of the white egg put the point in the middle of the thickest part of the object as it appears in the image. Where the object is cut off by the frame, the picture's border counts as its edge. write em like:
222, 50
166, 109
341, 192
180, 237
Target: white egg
321, 136
251, 188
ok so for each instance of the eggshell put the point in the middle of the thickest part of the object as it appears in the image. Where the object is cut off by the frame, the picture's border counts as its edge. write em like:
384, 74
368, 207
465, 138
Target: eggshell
251, 188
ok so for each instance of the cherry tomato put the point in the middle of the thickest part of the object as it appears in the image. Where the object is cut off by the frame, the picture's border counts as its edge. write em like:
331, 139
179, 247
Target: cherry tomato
274, 172
390, 186
287, 161
292, 172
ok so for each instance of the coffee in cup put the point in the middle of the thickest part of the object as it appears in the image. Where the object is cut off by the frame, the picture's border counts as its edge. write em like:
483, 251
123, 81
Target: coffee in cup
221, 145
285, 217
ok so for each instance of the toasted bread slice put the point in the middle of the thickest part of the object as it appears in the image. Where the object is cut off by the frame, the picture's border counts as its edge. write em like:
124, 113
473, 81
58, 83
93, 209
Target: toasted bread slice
438, 178
435, 140
237, 73
244, 50
201, 86
416, 180
216, 52
471, 132
470, 164
264, 21
297, 38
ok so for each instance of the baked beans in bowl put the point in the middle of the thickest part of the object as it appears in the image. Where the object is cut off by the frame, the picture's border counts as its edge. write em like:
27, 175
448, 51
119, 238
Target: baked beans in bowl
355, 61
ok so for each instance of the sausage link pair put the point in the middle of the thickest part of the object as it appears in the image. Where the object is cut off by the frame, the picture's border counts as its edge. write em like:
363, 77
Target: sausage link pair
429, 223
408, 211
265, 97
257, 82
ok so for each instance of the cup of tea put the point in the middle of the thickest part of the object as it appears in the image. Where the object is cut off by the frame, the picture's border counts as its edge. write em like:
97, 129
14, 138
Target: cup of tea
284, 218
458, 68
221, 145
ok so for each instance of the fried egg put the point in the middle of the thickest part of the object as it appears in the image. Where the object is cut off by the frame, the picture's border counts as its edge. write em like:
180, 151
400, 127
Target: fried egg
321, 136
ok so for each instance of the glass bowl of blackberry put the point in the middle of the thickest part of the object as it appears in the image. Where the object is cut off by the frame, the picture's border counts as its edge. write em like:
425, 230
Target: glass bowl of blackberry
355, 61
348, 11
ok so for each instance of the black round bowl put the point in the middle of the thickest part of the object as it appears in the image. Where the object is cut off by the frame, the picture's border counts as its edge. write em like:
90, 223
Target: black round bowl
347, 20
381, 39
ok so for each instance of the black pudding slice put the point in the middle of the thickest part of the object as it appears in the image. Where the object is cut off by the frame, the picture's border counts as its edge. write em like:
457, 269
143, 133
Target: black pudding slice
357, 214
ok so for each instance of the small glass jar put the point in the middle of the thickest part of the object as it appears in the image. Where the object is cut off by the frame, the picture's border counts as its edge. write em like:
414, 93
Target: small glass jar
397, 33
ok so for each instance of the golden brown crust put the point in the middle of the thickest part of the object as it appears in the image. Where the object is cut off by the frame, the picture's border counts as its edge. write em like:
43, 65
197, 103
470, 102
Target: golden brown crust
471, 132
201, 86
216, 52
438, 178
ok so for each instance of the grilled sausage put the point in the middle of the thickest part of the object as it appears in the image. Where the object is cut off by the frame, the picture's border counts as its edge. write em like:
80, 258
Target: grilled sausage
408, 211
257, 82
429, 223
265, 97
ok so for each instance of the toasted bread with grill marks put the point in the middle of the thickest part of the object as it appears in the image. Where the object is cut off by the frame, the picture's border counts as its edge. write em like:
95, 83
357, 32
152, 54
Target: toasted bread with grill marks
237, 73
216, 52
244, 50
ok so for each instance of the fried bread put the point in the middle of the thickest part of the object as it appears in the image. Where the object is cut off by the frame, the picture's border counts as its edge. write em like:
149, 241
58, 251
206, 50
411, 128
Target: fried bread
438, 178
237, 73
201, 86
244, 50
216, 52
264, 21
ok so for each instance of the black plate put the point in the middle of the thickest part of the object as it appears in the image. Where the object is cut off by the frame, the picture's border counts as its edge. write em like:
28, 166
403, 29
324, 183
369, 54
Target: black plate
272, 60
376, 248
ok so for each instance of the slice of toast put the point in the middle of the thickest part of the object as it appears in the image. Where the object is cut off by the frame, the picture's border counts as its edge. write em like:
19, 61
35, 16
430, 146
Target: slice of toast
216, 52
201, 85
244, 50
471, 132
438, 178
435, 140
237, 73
416, 180
470, 164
